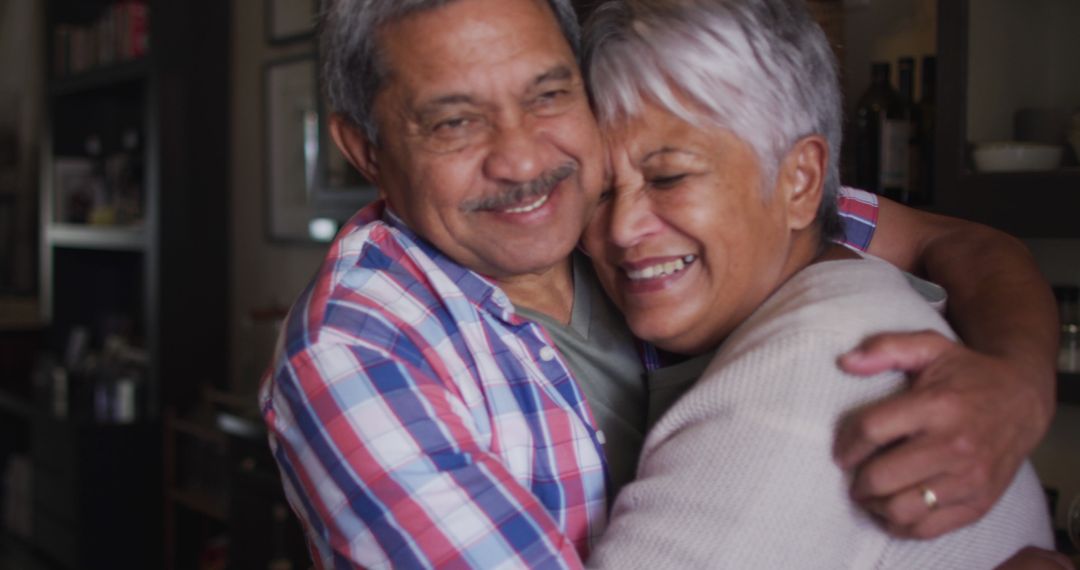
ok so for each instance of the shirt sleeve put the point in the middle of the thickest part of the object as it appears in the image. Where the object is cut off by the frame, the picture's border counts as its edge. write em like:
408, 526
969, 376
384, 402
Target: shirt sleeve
858, 217
386, 466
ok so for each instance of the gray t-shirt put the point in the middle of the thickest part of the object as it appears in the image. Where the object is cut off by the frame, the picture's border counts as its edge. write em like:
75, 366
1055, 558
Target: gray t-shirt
603, 356
668, 383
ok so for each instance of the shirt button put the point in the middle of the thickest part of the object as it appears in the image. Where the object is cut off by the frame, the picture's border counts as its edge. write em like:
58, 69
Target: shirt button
501, 300
600, 437
547, 354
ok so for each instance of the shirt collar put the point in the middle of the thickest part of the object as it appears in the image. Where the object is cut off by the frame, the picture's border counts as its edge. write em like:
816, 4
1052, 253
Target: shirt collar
480, 290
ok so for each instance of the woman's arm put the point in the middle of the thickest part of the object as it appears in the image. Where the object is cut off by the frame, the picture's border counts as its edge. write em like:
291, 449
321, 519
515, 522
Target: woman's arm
974, 411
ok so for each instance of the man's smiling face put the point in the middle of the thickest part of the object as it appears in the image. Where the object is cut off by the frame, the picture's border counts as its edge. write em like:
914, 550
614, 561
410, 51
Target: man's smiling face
487, 145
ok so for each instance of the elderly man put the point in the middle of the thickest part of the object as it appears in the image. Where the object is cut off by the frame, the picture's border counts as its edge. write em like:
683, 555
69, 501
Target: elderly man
420, 414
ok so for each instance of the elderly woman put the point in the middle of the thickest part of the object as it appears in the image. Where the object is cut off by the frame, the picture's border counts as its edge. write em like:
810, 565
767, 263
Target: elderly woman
723, 119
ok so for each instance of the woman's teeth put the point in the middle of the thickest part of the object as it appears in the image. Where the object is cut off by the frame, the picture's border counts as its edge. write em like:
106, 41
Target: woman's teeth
528, 207
661, 269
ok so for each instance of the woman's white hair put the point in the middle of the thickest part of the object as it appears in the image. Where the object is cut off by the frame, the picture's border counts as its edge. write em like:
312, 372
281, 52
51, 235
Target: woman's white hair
762, 69
353, 71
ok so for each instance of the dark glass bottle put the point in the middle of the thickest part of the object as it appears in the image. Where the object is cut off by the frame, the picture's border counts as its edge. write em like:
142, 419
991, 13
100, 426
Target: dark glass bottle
906, 84
906, 68
923, 115
882, 136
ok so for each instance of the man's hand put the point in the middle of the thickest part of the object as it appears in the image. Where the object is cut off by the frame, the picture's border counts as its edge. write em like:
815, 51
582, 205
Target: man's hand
961, 431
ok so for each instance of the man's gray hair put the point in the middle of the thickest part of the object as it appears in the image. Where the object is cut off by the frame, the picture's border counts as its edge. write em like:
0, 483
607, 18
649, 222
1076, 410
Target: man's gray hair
353, 71
762, 69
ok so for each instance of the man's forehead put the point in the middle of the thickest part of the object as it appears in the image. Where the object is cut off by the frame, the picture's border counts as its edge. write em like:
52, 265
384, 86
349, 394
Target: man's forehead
452, 15
480, 25
443, 54
558, 72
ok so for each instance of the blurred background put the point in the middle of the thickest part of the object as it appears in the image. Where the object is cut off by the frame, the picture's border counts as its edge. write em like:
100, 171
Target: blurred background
167, 189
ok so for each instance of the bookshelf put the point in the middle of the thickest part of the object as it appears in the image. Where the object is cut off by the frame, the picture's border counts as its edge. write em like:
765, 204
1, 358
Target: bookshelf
134, 177
88, 81
133, 264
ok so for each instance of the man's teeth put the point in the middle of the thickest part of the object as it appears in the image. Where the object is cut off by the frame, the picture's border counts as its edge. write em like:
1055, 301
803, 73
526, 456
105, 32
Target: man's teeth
661, 269
528, 207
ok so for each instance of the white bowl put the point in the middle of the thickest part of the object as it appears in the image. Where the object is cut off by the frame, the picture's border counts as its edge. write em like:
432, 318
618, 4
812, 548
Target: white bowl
1012, 156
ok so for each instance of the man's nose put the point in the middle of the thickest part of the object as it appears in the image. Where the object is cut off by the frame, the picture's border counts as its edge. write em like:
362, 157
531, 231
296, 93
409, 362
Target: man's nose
516, 153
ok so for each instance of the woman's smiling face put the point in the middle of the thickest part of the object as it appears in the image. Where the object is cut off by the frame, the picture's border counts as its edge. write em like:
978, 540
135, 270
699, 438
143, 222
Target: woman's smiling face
687, 241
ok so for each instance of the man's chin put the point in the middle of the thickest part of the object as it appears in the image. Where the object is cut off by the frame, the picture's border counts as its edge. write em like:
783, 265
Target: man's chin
529, 265
522, 257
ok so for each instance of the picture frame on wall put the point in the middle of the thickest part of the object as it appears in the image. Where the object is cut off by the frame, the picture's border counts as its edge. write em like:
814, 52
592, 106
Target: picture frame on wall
290, 105
340, 190
310, 188
290, 20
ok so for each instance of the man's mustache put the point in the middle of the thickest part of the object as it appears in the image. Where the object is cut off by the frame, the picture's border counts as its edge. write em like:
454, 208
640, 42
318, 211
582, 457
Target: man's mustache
517, 193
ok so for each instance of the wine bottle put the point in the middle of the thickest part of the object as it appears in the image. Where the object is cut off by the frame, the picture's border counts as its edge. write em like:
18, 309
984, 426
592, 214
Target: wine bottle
882, 136
923, 115
906, 84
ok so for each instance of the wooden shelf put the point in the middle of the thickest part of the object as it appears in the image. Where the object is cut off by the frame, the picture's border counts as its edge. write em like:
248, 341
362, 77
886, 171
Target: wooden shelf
1068, 388
199, 502
81, 236
90, 80
20, 314
198, 430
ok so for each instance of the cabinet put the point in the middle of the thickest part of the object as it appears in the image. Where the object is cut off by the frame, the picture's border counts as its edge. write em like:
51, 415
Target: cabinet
195, 489
90, 494
133, 264
996, 57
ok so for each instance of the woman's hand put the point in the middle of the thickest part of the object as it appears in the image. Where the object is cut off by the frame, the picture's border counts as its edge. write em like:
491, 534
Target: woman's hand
938, 456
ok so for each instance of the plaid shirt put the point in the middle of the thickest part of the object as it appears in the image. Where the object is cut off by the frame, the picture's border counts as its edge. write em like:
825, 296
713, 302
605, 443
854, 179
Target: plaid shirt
419, 422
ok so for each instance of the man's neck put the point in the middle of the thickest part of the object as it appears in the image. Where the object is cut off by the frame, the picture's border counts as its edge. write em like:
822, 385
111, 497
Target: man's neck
550, 291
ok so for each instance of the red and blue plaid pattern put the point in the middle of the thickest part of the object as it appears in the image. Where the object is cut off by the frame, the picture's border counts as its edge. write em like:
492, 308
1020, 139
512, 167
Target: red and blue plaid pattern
419, 422
858, 213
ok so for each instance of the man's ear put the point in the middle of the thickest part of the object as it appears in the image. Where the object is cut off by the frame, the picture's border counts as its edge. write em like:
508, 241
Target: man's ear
802, 179
358, 150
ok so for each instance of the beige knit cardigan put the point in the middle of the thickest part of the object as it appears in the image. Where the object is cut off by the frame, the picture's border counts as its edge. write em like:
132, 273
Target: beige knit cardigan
738, 473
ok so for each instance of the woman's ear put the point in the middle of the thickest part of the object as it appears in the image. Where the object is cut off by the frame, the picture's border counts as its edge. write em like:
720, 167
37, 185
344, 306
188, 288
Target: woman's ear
355, 146
802, 179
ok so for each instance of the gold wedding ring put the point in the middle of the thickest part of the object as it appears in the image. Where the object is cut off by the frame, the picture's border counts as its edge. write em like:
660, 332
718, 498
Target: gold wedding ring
929, 497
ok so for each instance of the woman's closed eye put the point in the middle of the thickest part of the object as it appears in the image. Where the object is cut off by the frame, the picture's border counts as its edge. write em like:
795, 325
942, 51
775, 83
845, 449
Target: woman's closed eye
667, 181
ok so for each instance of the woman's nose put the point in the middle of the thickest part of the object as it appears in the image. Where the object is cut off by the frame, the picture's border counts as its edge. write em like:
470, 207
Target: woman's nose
632, 218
